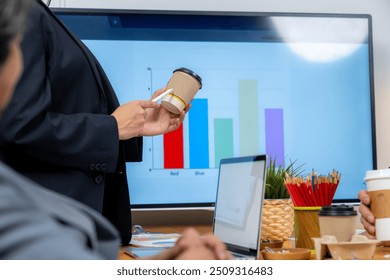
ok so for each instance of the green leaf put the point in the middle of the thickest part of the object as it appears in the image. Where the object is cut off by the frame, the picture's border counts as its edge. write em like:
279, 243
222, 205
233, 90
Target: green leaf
274, 187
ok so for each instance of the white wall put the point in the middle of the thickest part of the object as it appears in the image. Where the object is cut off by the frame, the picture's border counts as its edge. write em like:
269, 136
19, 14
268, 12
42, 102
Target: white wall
379, 9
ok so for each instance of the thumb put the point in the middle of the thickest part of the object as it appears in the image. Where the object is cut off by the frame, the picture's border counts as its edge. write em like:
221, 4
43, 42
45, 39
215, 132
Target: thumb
148, 104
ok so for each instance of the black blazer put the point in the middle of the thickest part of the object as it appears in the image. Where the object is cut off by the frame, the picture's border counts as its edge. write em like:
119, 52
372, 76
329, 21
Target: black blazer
58, 130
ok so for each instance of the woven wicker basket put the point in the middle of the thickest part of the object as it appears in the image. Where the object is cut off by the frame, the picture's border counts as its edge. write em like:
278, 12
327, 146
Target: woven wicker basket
277, 222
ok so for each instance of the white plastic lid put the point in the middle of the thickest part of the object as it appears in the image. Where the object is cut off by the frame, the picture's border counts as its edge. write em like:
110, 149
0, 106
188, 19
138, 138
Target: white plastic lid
377, 174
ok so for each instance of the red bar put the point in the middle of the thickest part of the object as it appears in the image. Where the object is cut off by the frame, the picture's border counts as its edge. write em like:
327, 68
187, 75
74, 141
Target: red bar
174, 149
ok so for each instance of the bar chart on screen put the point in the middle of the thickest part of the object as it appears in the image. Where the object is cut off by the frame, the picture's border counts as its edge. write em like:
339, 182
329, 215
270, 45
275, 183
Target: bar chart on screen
223, 122
241, 109
256, 98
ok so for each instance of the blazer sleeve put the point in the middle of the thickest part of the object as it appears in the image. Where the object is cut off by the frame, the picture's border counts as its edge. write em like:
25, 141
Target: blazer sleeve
33, 234
36, 223
73, 140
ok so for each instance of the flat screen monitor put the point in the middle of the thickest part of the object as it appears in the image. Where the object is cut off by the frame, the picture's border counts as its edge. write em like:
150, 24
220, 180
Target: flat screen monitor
297, 87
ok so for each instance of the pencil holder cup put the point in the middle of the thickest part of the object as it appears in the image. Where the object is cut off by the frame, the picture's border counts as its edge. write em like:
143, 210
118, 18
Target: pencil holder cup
306, 226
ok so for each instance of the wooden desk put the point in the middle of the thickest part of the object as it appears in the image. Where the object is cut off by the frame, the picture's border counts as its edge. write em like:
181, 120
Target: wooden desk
380, 253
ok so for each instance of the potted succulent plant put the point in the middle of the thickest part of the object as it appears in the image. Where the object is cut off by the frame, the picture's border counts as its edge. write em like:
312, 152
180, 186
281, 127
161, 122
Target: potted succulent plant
278, 212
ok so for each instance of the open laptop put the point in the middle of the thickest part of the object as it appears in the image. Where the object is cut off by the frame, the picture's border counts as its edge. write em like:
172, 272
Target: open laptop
240, 195
239, 201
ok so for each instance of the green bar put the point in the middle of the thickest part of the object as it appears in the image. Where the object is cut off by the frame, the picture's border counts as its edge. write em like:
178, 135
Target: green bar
223, 139
249, 117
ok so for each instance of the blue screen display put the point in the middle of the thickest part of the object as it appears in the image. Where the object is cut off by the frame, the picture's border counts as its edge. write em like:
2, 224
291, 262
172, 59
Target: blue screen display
296, 87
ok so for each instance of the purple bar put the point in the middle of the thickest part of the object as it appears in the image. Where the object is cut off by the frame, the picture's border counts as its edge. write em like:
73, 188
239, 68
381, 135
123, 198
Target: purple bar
274, 135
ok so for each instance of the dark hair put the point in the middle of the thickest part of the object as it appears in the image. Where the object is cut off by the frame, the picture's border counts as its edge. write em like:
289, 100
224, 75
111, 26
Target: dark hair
13, 15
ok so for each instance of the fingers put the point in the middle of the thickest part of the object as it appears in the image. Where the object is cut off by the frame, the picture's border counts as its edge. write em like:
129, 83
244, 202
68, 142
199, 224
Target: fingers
364, 207
367, 217
160, 121
177, 120
370, 228
148, 104
188, 239
191, 239
173, 124
364, 197
192, 246
131, 118
217, 246
197, 253
187, 108
182, 115
158, 92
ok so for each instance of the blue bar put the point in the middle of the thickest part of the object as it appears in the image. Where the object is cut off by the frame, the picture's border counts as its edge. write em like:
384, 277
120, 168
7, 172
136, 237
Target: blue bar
199, 134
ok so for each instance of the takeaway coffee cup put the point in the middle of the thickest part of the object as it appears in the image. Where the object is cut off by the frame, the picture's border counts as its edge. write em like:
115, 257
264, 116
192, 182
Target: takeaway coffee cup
378, 186
184, 84
338, 220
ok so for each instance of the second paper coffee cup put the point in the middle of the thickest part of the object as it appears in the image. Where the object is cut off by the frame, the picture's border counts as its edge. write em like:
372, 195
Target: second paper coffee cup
338, 220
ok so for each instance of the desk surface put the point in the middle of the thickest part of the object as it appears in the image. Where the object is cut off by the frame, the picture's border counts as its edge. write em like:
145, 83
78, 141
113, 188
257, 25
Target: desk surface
380, 253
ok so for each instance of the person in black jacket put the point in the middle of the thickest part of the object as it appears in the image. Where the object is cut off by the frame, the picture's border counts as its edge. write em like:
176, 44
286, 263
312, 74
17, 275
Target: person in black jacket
64, 128
36, 223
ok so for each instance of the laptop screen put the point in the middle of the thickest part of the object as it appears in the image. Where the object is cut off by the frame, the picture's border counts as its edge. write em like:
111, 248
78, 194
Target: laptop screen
239, 201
